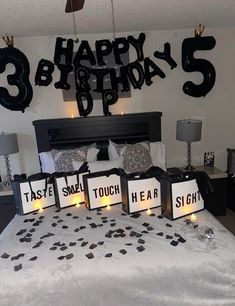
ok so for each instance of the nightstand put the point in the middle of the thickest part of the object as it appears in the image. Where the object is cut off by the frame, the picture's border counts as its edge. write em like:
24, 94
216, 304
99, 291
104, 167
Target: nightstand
217, 201
7, 206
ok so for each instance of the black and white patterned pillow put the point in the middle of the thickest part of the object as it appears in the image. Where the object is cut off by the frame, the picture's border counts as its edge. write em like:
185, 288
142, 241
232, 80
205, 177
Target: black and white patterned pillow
63, 158
136, 157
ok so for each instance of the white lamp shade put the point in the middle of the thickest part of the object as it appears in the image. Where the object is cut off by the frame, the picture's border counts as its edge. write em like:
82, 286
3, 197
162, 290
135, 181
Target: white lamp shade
8, 143
189, 130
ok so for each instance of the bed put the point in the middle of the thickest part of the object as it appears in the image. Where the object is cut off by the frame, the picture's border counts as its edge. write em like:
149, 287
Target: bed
106, 257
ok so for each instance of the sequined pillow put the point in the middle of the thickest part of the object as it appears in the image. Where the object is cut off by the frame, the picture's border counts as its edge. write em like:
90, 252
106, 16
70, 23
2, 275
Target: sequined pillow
136, 158
64, 158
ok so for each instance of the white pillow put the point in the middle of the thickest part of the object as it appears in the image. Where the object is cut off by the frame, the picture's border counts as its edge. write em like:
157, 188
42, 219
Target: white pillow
48, 163
158, 154
100, 165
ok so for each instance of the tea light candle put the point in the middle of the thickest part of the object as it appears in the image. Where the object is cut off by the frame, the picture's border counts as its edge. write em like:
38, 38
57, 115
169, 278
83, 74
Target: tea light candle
108, 207
78, 205
41, 209
193, 218
149, 211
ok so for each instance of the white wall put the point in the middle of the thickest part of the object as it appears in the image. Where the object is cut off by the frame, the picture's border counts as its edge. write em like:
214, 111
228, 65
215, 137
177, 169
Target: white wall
166, 95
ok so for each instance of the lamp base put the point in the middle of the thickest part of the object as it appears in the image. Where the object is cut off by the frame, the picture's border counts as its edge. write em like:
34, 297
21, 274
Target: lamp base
189, 167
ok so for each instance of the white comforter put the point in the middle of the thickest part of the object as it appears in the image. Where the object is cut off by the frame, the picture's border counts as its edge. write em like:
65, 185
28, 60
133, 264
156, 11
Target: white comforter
194, 272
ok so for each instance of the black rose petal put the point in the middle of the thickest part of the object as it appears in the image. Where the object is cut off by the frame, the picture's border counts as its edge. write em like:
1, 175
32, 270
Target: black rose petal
77, 230
160, 217
75, 217
99, 214
68, 214
141, 241
59, 221
129, 244
56, 217
168, 225
174, 243
63, 248
108, 255
105, 221
138, 235
27, 239
144, 232
41, 217
145, 224
108, 235
100, 242
37, 245
140, 248
169, 237
160, 234
133, 234
54, 224
150, 228
33, 258
61, 257
112, 224
128, 228
53, 248
18, 267
120, 230
135, 215
32, 230
177, 235
93, 246
88, 218
69, 256
89, 255
84, 243
123, 251
14, 258
93, 225
22, 231
82, 227
72, 244
103, 218
80, 239
182, 240
152, 215
64, 226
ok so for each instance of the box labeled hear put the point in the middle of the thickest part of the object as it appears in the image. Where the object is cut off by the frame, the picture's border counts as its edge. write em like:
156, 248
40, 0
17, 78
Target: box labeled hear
140, 194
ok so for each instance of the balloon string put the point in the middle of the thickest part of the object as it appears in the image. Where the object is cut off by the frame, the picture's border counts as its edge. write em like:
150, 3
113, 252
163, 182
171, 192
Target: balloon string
75, 29
113, 19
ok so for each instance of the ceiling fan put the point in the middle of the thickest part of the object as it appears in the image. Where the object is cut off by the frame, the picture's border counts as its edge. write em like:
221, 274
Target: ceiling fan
74, 5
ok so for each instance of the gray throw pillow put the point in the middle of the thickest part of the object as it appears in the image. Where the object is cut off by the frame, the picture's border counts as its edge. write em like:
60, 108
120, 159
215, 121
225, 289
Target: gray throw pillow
136, 157
63, 158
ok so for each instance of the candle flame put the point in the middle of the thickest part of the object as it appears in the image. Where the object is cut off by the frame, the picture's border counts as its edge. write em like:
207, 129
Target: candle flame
149, 211
72, 116
78, 205
122, 112
193, 217
41, 210
108, 207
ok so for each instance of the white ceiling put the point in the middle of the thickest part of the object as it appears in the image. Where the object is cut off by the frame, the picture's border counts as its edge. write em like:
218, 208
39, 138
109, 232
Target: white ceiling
47, 17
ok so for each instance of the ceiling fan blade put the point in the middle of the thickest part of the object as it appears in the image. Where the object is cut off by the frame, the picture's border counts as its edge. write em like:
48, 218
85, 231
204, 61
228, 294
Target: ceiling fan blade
74, 5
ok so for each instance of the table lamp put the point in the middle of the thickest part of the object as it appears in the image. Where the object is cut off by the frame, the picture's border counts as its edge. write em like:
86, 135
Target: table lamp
189, 130
8, 145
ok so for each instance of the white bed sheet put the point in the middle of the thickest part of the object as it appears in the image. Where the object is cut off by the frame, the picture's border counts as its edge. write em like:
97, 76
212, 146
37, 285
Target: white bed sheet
190, 273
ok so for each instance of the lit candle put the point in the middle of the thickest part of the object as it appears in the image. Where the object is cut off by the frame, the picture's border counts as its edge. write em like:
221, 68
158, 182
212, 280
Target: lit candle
122, 112
72, 116
149, 211
108, 207
41, 209
78, 205
193, 218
